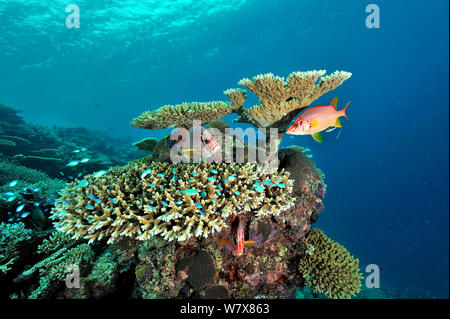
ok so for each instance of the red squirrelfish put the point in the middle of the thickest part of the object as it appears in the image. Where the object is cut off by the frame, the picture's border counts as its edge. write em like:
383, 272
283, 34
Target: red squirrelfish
317, 119
238, 237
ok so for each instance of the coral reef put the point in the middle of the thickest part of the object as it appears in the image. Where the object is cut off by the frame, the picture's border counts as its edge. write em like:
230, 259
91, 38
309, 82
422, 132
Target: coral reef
328, 267
174, 201
146, 144
11, 235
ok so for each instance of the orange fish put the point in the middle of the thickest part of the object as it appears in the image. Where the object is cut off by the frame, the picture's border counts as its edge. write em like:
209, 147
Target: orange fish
238, 238
317, 119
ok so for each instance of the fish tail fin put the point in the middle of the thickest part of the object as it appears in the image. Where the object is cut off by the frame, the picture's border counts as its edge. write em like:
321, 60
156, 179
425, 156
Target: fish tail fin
343, 110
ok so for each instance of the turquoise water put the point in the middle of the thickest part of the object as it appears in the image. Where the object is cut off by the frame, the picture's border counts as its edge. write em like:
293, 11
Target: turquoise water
387, 174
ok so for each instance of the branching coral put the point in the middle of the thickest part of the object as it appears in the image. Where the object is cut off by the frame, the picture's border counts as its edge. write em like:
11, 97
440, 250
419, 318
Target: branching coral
175, 201
10, 236
329, 268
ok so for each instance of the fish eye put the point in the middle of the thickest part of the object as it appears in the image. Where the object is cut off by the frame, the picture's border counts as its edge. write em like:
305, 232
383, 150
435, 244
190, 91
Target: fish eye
206, 141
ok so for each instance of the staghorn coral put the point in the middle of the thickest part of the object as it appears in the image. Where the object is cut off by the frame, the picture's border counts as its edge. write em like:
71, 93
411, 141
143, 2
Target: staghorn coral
329, 268
175, 201
281, 101
55, 242
54, 269
171, 116
11, 235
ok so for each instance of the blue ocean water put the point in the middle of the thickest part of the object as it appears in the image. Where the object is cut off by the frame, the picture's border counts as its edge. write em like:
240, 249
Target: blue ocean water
387, 174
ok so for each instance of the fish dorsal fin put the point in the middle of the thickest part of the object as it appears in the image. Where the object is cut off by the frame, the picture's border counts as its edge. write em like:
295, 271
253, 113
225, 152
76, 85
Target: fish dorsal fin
338, 123
334, 103
315, 123
318, 137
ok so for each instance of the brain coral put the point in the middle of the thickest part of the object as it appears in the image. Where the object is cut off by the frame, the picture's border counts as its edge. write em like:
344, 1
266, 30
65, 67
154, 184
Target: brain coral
174, 201
329, 268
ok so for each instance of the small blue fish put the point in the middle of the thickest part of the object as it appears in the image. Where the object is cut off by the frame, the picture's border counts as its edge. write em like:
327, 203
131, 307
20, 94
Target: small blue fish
79, 175
237, 192
97, 200
152, 185
267, 182
11, 219
152, 208
13, 183
83, 183
99, 173
160, 175
19, 209
179, 202
113, 200
218, 193
258, 187
214, 171
203, 214
211, 179
37, 189
203, 194
231, 178
190, 192
90, 207
76, 151
73, 164
309, 156
91, 196
220, 186
9, 194
225, 180
10, 199
84, 160
164, 203
36, 204
83, 149
191, 180
25, 214
146, 172
173, 170
61, 173
198, 205
194, 173
174, 178
280, 185
70, 177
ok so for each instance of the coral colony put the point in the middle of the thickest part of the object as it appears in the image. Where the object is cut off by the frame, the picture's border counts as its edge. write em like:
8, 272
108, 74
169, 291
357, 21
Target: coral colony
206, 215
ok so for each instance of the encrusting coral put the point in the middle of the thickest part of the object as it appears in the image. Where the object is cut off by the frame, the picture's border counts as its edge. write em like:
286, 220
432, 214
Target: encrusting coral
175, 201
328, 267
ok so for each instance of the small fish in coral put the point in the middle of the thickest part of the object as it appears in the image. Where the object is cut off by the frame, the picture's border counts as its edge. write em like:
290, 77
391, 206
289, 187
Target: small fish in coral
99, 173
152, 208
194, 173
174, 170
20, 208
25, 214
231, 178
211, 179
267, 182
280, 185
83, 149
13, 183
164, 203
152, 185
237, 192
203, 214
84, 160
113, 200
97, 200
198, 205
10, 199
190, 192
309, 155
11, 219
36, 204
258, 187
37, 189
70, 177
174, 178
146, 172
61, 173
83, 183
76, 151
90, 207
9, 194
225, 180
214, 171
203, 194
160, 175
179, 202
73, 163
218, 193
